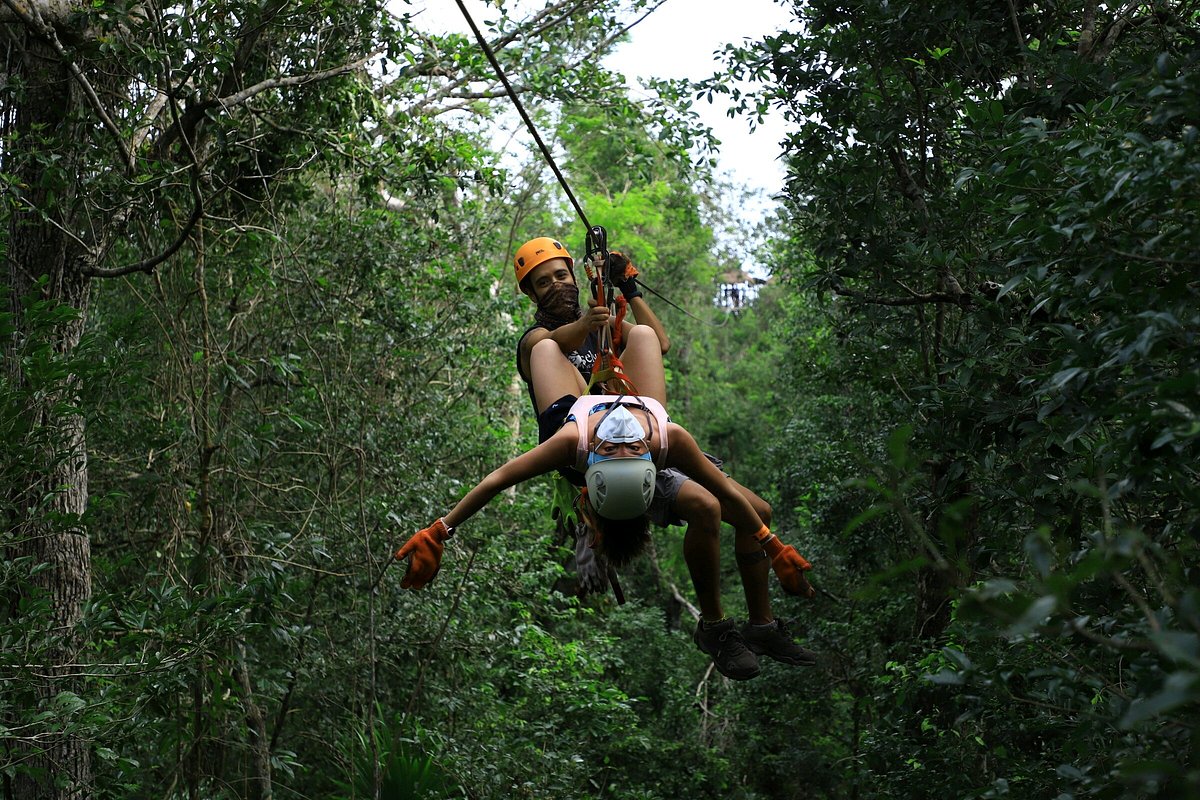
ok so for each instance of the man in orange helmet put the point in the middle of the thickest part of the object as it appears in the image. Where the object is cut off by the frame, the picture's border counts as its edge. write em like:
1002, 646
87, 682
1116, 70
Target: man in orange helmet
545, 273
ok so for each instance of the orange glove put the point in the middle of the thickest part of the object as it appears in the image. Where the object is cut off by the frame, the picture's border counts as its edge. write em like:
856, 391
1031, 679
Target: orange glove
425, 547
788, 564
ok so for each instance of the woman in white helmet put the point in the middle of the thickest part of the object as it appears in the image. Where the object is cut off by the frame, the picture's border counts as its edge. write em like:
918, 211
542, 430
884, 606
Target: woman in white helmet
613, 445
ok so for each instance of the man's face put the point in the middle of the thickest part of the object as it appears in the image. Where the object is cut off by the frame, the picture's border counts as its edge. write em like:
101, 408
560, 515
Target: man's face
553, 284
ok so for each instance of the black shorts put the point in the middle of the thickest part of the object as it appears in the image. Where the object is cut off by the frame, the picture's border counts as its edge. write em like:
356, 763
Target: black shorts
550, 420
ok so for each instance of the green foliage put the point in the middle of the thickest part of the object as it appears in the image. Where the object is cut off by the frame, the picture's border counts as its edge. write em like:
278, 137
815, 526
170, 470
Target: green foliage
405, 772
308, 377
968, 392
1005, 227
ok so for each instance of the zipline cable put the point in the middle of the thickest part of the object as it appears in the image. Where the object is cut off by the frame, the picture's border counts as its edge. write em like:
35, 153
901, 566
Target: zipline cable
491, 57
512, 94
678, 307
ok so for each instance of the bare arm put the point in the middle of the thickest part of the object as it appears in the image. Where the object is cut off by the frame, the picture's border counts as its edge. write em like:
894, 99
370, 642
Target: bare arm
646, 316
626, 282
568, 337
557, 451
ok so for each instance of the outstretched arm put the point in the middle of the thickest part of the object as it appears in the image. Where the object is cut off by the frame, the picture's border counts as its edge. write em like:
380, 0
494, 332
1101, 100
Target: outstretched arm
624, 276
424, 548
646, 316
557, 451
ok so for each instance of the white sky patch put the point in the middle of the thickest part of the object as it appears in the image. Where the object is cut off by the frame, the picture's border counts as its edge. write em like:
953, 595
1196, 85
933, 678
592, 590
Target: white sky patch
679, 40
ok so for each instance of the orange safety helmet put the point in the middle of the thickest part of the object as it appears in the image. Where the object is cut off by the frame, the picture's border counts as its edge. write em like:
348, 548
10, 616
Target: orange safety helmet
535, 251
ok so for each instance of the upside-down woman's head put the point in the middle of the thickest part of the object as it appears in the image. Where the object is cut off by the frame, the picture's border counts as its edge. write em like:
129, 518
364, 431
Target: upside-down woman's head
620, 482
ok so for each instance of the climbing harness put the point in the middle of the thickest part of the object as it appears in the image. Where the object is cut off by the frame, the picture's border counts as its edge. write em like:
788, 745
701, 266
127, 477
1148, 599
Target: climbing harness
608, 372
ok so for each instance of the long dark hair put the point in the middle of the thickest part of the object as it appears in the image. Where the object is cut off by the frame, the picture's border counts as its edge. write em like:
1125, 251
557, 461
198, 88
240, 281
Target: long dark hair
621, 540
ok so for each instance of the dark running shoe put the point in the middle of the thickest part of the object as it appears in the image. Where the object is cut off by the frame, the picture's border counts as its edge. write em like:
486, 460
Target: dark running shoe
775, 640
722, 641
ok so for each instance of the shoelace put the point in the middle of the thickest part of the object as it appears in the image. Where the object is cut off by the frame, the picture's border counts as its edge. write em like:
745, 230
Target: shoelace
737, 638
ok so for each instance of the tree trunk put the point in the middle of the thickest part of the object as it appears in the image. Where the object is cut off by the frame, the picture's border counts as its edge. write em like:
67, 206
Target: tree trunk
938, 587
48, 494
258, 740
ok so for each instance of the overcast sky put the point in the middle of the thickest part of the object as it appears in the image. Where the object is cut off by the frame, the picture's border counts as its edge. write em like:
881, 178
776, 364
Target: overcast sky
678, 41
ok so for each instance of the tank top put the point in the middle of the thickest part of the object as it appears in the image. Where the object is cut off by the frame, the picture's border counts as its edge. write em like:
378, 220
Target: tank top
589, 404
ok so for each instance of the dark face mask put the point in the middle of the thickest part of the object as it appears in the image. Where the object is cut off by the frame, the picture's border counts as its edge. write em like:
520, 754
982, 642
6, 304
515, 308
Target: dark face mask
559, 305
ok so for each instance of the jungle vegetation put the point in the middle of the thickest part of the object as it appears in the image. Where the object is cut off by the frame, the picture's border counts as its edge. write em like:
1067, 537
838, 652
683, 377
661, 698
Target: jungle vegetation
259, 327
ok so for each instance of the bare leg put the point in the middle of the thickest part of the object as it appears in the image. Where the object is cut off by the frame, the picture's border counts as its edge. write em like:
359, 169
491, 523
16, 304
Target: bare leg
755, 570
553, 375
696, 506
643, 363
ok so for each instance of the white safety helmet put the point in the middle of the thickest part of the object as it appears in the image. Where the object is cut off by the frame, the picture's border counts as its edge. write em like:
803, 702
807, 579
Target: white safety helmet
621, 488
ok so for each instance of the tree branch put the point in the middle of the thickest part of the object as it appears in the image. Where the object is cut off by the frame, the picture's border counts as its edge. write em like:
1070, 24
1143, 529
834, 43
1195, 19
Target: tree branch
1087, 31
427, 66
1175, 262
1016, 25
38, 26
248, 36
1077, 626
909, 186
1095, 47
448, 91
1122, 20
238, 98
955, 298
146, 124
149, 264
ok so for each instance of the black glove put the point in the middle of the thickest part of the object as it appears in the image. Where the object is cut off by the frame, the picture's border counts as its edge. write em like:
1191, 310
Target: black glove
623, 275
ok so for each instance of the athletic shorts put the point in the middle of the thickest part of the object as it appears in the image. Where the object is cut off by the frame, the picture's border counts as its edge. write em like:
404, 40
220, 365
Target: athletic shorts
666, 486
666, 490
550, 420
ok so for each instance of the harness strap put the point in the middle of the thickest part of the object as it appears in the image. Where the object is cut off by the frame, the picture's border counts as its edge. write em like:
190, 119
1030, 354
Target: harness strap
609, 373
582, 409
618, 334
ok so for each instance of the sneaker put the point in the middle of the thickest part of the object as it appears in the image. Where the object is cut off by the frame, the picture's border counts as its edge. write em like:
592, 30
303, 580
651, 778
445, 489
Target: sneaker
775, 640
722, 641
